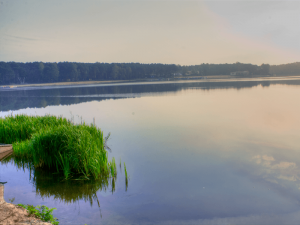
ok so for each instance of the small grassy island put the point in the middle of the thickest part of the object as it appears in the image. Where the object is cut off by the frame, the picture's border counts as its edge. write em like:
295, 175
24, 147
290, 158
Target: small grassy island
56, 144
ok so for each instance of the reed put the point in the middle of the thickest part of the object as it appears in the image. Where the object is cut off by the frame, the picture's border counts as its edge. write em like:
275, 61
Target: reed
113, 167
56, 144
126, 177
125, 171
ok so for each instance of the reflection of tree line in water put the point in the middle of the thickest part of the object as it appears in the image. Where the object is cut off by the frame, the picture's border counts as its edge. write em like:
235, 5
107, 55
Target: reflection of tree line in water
14, 100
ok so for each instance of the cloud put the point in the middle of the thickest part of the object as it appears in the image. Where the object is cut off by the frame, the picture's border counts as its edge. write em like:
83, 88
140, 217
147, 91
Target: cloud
267, 158
21, 38
276, 171
284, 165
180, 32
291, 178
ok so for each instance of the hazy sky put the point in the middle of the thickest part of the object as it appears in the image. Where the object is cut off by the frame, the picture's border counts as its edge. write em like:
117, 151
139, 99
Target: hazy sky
148, 31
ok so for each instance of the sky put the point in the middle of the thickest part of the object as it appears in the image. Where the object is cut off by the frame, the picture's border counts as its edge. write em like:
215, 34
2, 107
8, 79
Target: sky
150, 31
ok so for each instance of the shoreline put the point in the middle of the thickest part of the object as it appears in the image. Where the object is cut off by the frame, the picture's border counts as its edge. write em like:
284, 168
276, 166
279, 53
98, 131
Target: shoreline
64, 83
14, 214
191, 79
173, 79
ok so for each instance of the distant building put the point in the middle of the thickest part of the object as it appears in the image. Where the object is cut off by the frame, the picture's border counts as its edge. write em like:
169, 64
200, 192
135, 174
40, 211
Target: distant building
241, 73
177, 74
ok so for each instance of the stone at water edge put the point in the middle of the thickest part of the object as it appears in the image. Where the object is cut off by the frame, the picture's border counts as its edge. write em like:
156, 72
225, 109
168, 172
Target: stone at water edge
2, 194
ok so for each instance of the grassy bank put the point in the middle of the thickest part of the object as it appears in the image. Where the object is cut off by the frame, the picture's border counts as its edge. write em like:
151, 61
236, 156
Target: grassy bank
41, 212
56, 144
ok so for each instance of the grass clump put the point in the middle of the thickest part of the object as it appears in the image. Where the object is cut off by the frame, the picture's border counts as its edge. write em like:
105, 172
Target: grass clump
41, 212
126, 177
56, 144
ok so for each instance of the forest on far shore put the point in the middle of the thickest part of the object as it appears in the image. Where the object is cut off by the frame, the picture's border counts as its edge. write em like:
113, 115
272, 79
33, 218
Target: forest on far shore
43, 72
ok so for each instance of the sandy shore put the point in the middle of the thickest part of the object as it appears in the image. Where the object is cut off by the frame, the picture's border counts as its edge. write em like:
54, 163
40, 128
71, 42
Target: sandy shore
210, 78
10, 213
13, 214
71, 83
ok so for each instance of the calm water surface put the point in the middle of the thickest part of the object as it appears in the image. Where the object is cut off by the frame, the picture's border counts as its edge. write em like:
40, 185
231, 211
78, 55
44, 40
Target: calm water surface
196, 153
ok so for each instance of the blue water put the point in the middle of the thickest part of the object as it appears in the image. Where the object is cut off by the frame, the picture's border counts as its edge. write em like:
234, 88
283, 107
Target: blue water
196, 153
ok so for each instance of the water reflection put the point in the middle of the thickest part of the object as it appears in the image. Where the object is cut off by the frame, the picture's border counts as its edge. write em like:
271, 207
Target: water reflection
48, 184
69, 191
39, 98
276, 171
196, 154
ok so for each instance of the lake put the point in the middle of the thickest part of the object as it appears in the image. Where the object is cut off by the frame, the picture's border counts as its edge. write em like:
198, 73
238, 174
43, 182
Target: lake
209, 152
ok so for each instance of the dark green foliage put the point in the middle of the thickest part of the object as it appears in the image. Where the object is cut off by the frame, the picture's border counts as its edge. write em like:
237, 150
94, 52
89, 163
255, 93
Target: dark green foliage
286, 69
41, 212
39, 72
206, 69
57, 145
50, 72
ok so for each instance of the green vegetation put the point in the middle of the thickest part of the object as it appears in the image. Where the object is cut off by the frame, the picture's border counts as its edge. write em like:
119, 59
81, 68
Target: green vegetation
41, 212
113, 167
11, 200
40, 72
126, 177
56, 144
286, 69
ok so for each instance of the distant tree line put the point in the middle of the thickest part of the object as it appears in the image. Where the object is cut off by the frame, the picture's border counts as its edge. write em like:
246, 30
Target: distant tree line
40, 72
225, 69
286, 69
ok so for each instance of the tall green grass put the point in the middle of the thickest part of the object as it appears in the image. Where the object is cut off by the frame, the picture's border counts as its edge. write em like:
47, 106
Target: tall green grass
56, 144
126, 177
